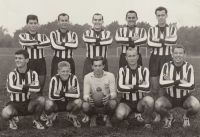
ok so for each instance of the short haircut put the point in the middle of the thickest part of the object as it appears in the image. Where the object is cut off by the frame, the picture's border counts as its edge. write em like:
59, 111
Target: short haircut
98, 14
131, 49
98, 58
31, 17
178, 46
160, 9
63, 14
63, 64
131, 11
22, 52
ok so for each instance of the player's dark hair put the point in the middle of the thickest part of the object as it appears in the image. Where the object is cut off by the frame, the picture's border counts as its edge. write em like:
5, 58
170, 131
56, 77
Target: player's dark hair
178, 46
23, 52
97, 15
131, 11
160, 9
63, 14
31, 17
98, 58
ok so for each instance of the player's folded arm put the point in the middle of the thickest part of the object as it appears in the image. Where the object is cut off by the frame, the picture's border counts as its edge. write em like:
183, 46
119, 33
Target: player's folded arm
45, 43
76, 85
55, 46
71, 45
11, 87
106, 41
53, 90
121, 40
151, 42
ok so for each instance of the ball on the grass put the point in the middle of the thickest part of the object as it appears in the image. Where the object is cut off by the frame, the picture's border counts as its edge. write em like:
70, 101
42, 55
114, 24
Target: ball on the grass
98, 96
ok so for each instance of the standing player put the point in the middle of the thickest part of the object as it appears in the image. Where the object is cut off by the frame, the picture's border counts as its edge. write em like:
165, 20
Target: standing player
130, 36
63, 43
64, 95
97, 41
99, 79
161, 38
178, 77
133, 82
20, 82
34, 43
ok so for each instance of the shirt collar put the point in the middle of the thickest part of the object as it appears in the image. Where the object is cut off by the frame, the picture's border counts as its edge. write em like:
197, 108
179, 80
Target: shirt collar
133, 26
104, 74
32, 34
62, 32
97, 31
178, 66
166, 25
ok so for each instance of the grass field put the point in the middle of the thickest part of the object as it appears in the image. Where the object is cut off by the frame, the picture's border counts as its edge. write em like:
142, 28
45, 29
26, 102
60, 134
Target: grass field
62, 128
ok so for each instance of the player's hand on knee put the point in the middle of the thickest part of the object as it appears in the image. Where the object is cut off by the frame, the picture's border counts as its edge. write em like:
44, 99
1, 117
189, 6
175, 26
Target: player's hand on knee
166, 77
90, 100
106, 99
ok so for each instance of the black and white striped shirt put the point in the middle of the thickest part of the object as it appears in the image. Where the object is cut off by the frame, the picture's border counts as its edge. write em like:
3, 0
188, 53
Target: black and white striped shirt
127, 76
65, 50
173, 86
57, 83
162, 47
97, 42
16, 81
34, 44
123, 37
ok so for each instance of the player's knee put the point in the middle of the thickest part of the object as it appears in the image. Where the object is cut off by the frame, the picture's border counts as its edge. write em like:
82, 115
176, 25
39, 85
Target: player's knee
41, 100
48, 104
195, 107
120, 114
113, 104
78, 103
6, 113
158, 105
86, 106
149, 101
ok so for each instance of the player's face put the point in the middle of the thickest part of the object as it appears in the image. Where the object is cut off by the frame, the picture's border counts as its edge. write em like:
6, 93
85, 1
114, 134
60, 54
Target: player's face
63, 22
97, 22
98, 67
132, 57
161, 16
178, 55
21, 61
32, 25
131, 19
64, 72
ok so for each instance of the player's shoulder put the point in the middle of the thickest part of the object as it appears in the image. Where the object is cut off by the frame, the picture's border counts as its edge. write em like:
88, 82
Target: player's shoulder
109, 74
188, 64
142, 68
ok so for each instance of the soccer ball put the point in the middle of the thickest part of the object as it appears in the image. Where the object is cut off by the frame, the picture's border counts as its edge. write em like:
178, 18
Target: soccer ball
97, 96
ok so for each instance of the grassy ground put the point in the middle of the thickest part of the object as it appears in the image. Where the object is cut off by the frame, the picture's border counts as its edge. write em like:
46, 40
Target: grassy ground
62, 128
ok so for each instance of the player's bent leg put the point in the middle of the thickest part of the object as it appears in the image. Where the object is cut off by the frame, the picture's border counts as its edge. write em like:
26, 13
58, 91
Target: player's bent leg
122, 111
9, 112
50, 107
74, 106
42, 83
191, 104
162, 105
36, 106
112, 104
155, 87
146, 105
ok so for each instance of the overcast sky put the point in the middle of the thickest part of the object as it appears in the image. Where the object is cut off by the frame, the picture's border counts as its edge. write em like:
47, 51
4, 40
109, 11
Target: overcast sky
13, 12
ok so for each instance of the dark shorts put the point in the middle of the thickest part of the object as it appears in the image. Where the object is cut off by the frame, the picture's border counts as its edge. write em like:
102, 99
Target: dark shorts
131, 104
38, 65
54, 65
156, 63
177, 102
123, 62
87, 68
20, 107
62, 105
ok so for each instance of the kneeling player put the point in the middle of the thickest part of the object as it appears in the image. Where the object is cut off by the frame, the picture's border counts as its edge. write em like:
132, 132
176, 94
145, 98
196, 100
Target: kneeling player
178, 77
20, 82
133, 82
105, 81
64, 95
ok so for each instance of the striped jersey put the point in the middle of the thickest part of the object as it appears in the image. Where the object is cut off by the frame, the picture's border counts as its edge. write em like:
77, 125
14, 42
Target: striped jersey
162, 47
123, 37
57, 84
65, 50
34, 44
173, 86
135, 78
16, 81
97, 42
